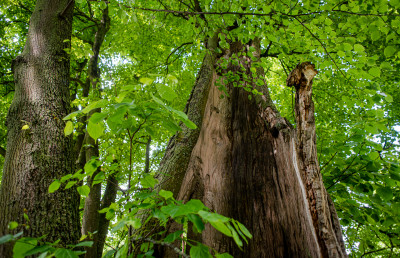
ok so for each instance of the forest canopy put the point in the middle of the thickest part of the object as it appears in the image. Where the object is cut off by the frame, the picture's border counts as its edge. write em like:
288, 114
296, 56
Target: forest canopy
132, 67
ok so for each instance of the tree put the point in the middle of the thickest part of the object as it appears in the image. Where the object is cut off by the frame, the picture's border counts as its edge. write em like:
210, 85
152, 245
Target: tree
149, 61
247, 163
37, 151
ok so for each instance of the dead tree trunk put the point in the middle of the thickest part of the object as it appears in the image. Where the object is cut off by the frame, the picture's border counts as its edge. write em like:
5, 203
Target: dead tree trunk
248, 163
41, 153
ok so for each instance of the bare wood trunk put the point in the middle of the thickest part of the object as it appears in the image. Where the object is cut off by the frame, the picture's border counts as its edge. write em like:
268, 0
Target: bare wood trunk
248, 164
40, 154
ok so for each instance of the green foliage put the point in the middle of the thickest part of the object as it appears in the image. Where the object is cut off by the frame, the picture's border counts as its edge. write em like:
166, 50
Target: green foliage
149, 61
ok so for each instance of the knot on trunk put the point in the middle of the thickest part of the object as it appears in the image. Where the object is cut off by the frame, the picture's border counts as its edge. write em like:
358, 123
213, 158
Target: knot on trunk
302, 75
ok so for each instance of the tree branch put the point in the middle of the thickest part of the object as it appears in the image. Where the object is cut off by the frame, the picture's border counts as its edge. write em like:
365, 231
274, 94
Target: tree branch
322, 44
176, 49
147, 161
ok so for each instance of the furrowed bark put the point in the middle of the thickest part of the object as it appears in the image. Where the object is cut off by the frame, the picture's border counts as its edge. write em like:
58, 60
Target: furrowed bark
246, 164
40, 154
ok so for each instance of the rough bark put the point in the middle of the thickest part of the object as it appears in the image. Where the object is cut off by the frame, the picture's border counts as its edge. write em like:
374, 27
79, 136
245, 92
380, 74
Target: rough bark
248, 163
40, 154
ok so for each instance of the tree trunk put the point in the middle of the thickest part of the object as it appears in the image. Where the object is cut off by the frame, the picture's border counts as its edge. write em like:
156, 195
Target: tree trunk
40, 154
92, 221
248, 163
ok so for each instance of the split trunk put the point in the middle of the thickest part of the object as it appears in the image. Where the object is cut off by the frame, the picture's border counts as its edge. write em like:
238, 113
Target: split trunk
247, 162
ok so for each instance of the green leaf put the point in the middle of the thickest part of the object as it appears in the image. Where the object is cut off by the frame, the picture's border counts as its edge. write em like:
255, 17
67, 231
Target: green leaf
221, 227
171, 126
173, 210
70, 184
173, 236
97, 104
166, 92
54, 186
371, 129
146, 81
165, 194
171, 78
235, 236
95, 130
385, 193
91, 166
148, 181
389, 51
23, 245
189, 124
244, 229
12, 225
97, 117
375, 71
358, 48
69, 128
194, 205
99, 178
72, 115
386, 65
135, 223
373, 155
6, 238
388, 98
83, 190
200, 251
65, 178
65, 253
85, 243
38, 249
25, 127
197, 222
212, 217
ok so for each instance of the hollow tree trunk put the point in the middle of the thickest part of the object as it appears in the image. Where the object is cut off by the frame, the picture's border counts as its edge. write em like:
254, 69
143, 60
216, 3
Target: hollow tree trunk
248, 163
40, 154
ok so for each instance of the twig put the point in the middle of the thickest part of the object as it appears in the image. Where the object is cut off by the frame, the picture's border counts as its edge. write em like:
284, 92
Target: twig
322, 44
176, 49
66, 8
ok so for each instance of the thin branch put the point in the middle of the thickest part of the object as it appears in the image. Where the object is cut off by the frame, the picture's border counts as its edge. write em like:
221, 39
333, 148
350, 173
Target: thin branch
147, 161
322, 44
66, 8
176, 49
328, 161
374, 251
250, 14
366, 14
265, 54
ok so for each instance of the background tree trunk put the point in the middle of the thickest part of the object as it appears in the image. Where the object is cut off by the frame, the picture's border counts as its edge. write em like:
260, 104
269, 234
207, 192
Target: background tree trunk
40, 154
247, 163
